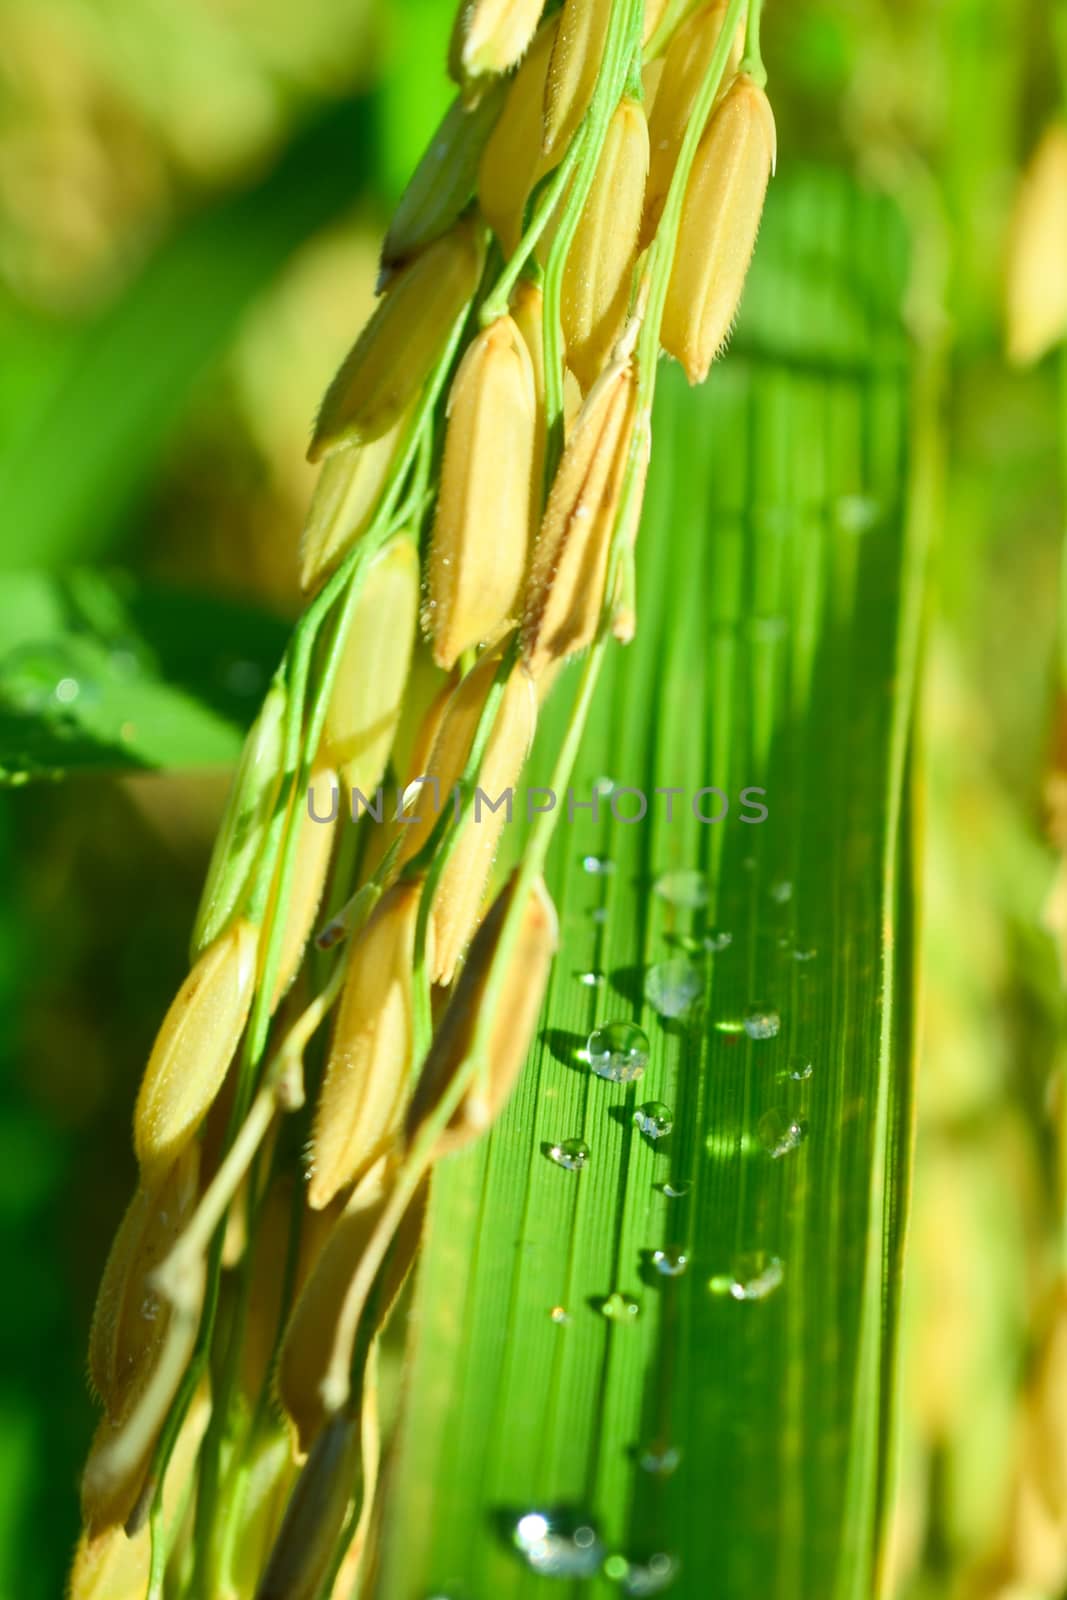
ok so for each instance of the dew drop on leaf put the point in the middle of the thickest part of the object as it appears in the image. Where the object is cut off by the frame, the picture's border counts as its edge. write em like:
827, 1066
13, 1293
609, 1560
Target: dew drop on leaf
660, 1459
654, 1119
762, 1022
675, 1191
686, 889
559, 1544
672, 987
618, 1051
572, 1154
779, 1133
754, 1276
649, 1577
621, 1308
671, 1262
800, 1069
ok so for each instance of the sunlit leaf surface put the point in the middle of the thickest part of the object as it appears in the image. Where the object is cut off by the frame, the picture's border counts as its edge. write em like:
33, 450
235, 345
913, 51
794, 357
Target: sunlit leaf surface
731, 1433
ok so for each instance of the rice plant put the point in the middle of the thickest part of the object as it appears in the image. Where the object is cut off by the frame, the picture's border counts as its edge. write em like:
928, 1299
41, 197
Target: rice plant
606, 1136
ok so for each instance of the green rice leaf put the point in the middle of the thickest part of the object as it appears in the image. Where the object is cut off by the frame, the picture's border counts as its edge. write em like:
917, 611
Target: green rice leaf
778, 595
98, 671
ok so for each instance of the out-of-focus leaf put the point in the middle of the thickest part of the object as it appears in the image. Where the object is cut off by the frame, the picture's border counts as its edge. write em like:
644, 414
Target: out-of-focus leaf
101, 672
778, 599
90, 442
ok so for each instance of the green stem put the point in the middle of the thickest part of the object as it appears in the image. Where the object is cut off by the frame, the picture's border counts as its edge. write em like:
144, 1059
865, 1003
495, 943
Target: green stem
752, 60
497, 302
665, 29
302, 738
621, 47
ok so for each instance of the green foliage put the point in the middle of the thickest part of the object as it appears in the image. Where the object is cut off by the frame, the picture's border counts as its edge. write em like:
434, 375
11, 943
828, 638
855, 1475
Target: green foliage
107, 673
777, 597
92, 436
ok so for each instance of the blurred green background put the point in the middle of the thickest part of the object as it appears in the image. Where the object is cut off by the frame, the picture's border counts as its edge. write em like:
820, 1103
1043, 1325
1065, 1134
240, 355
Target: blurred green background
190, 200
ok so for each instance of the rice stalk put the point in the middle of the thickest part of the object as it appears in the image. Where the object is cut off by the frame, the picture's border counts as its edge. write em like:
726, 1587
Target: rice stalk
435, 1061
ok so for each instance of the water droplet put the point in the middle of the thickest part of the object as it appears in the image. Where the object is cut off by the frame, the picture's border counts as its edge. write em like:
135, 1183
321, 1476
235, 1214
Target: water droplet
572, 1154
150, 1307
782, 891
780, 1133
599, 913
591, 979
618, 1051
66, 690
559, 1544
660, 1459
675, 1191
754, 1276
621, 1307
671, 1262
804, 955
641, 1578
800, 1068
718, 939
559, 1314
672, 987
686, 889
762, 1022
654, 1119
604, 786
598, 866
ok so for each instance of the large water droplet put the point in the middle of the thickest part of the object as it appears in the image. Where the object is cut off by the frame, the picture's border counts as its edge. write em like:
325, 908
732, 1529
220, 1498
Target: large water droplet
762, 1022
559, 1544
686, 889
671, 1262
621, 1307
654, 1119
572, 1154
618, 1051
673, 987
779, 1133
754, 1275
